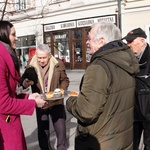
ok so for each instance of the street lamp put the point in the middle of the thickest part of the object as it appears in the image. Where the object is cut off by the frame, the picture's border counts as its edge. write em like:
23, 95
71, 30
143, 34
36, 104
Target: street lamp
119, 15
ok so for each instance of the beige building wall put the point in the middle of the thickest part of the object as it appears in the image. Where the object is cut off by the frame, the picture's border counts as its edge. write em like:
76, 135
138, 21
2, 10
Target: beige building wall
135, 20
136, 13
69, 10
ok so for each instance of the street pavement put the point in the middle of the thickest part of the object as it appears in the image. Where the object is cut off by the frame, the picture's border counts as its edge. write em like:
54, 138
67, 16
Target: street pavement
30, 125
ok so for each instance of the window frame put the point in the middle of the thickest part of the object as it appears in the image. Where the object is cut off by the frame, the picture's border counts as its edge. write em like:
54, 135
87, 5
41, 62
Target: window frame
20, 5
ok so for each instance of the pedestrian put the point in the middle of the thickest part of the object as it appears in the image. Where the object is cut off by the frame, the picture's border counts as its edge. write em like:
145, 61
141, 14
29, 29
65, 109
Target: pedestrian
11, 104
136, 40
47, 74
104, 106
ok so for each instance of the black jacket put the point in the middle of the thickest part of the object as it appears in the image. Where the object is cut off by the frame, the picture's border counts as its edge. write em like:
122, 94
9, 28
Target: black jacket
142, 94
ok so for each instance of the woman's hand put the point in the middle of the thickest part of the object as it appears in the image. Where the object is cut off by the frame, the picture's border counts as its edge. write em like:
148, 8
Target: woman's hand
39, 101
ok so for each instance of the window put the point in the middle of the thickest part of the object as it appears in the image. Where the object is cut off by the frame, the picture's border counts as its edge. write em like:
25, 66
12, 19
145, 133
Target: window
20, 4
57, 1
26, 41
61, 45
24, 4
88, 57
77, 34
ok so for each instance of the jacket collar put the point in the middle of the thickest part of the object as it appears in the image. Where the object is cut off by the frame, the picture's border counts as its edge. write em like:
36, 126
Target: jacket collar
4, 52
115, 45
146, 55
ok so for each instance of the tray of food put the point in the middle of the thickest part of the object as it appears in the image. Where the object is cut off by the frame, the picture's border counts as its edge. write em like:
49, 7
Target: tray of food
57, 94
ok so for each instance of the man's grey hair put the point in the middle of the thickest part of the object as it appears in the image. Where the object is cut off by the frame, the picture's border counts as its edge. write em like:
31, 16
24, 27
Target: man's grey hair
107, 30
43, 47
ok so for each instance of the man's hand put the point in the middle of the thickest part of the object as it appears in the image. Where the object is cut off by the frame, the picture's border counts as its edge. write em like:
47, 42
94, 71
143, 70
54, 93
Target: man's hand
25, 83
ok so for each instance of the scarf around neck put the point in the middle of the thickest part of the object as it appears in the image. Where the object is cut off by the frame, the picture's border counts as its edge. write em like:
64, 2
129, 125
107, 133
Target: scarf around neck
13, 55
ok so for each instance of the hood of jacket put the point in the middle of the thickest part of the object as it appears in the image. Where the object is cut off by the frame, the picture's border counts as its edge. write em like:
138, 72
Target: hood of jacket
119, 54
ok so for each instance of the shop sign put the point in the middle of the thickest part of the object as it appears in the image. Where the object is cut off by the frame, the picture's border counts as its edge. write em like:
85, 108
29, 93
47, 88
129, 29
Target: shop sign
85, 22
60, 36
89, 22
109, 18
60, 26
78, 23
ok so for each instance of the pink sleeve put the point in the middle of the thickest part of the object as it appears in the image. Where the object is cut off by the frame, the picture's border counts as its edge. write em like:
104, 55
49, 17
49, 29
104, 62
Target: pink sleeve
9, 104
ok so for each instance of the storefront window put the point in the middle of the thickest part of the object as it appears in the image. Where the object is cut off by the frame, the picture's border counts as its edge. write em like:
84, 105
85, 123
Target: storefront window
88, 57
47, 38
77, 34
25, 57
77, 47
69, 46
25, 45
26, 41
61, 46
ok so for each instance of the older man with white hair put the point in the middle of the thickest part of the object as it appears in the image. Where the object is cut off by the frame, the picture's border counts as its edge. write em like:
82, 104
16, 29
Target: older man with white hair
104, 106
47, 74
136, 39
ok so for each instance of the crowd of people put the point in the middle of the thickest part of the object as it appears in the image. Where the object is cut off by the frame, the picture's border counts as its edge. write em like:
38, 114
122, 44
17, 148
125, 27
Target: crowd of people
112, 105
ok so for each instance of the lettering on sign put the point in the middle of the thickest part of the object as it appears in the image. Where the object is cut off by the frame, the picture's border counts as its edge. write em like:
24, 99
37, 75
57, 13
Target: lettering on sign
79, 23
60, 36
49, 27
67, 25
109, 19
60, 26
86, 22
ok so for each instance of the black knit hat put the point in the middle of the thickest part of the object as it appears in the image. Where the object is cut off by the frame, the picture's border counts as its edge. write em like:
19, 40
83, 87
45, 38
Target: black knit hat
138, 32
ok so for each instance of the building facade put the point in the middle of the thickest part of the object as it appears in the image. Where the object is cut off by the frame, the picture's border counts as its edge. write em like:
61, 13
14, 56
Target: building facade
64, 24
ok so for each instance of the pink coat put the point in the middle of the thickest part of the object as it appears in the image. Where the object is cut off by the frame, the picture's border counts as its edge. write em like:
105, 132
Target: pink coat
11, 134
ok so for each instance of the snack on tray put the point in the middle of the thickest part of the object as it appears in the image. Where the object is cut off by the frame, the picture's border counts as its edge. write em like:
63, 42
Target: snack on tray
72, 93
30, 82
49, 94
62, 91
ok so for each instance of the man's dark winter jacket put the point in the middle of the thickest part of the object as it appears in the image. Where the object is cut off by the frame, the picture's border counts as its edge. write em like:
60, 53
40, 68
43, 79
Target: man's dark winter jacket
142, 96
104, 107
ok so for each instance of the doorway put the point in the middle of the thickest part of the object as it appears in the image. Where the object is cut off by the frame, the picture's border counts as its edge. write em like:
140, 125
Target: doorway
69, 46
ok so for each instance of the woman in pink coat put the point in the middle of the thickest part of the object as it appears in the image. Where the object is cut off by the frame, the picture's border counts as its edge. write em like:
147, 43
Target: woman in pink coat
12, 105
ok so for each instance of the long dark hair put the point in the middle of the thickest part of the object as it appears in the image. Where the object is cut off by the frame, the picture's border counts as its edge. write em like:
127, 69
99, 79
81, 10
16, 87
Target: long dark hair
5, 27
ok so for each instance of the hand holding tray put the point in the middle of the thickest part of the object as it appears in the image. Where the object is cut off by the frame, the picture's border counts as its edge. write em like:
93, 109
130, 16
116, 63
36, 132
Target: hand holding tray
52, 101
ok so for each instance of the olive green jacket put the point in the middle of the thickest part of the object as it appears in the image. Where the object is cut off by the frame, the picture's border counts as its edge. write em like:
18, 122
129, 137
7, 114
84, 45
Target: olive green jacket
104, 107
